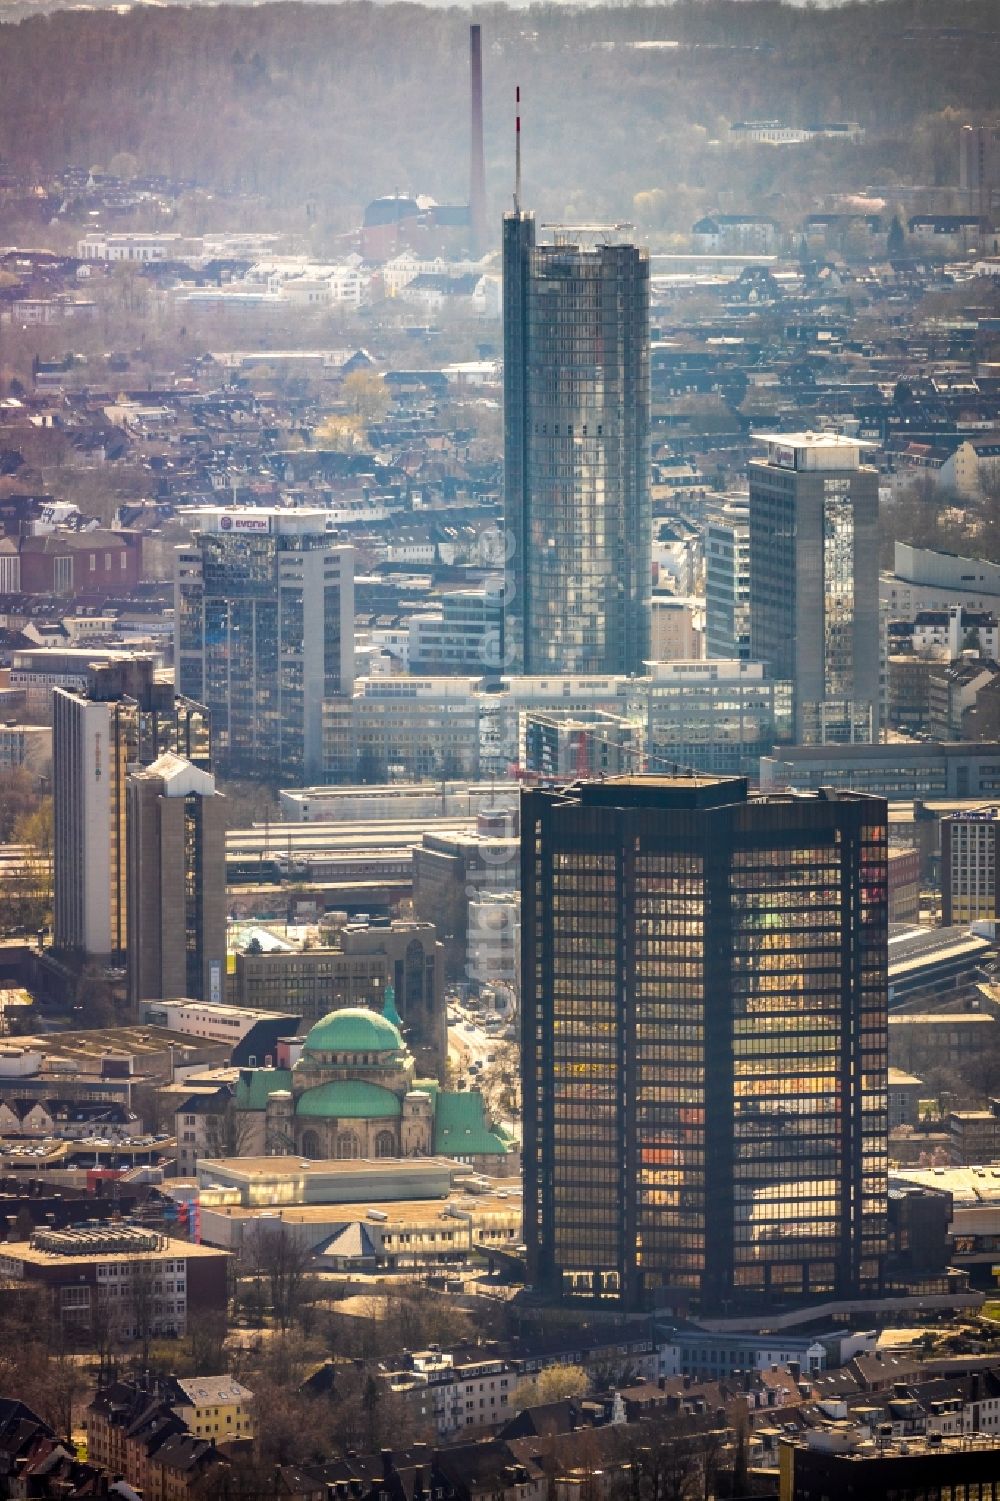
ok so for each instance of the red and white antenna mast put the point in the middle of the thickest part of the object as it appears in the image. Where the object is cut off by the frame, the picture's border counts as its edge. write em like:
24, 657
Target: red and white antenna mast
517, 152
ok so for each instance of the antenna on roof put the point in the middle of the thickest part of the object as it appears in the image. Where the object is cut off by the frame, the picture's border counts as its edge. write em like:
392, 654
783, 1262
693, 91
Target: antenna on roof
517, 150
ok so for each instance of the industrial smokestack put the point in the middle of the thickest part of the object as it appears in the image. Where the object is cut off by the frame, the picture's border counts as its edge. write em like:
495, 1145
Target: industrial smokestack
477, 158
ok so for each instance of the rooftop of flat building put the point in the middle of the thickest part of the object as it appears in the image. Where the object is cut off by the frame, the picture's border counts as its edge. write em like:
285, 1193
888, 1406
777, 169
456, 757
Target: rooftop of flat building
388, 1213
275, 1167
30, 1255
814, 440
113, 1043
687, 790
941, 1019
219, 1009
915, 946
979, 1184
886, 1447
888, 751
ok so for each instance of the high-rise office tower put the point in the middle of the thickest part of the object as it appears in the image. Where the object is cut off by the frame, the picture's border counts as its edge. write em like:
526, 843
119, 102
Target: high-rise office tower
704, 979
576, 450
814, 617
124, 717
176, 849
727, 581
264, 632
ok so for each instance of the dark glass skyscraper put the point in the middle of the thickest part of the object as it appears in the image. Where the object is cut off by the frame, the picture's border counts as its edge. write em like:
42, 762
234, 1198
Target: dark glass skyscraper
576, 415
704, 1044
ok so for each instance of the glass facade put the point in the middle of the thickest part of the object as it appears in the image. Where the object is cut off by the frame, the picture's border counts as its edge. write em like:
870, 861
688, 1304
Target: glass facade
727, 583
814, 591
576, 411
719, 725
261, 639
704, 1031
838, 587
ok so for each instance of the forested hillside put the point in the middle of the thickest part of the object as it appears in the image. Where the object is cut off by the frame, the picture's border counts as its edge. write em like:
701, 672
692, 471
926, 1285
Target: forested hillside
336, 103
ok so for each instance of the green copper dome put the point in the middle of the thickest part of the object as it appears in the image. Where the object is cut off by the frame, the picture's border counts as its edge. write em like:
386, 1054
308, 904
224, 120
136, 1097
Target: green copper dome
355, 1029
349, 1099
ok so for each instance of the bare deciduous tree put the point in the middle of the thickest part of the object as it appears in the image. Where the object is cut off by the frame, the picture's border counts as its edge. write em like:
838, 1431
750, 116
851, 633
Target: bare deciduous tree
275, 1256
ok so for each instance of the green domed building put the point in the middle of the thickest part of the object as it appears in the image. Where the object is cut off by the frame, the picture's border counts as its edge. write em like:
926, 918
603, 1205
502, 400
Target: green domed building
352, 1093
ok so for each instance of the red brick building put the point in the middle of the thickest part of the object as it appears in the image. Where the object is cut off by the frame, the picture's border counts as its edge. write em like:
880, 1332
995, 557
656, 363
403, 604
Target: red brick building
67, 562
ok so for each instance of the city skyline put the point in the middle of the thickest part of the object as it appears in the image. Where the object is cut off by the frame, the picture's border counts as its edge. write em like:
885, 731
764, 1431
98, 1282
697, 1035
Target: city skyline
500, 751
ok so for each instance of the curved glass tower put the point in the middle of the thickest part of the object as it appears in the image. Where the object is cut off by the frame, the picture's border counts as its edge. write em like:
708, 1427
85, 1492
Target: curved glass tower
576, 413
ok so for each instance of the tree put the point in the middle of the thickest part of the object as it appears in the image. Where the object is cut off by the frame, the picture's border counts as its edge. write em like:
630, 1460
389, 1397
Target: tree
340, 432
124, 165
35, 830
895, 241
288, 1427
229, 1132
500, 1081
153, 1108
17, 797
249, 803
275, 1256
370, 1403
669, 1458
553, 1384
94, 996
65, 1384
982, 1072
207, 1338
608, 1378
365, 395
143, 1311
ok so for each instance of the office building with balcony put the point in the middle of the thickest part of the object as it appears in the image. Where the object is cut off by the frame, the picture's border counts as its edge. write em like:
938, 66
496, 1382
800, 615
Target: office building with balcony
576, 454
264, 633
814, 613
704, 977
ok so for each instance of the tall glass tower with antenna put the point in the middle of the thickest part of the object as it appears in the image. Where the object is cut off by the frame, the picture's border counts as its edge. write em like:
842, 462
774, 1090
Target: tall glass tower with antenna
576, 449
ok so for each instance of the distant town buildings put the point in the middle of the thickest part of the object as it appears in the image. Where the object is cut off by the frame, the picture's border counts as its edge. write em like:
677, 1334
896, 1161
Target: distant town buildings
895, 769
778, 133
353, 1093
